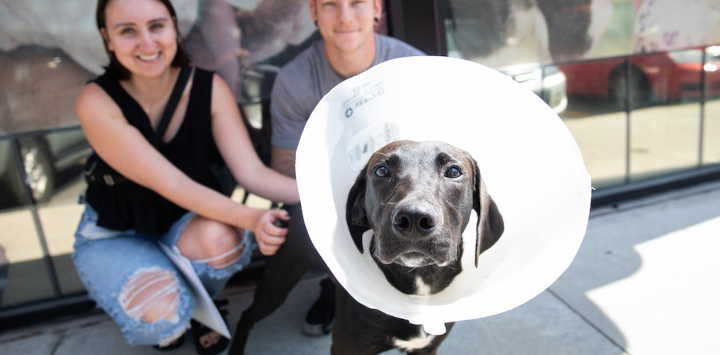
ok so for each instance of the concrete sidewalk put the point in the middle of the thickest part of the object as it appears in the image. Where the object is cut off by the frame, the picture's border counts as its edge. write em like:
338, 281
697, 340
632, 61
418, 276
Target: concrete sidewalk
645, 281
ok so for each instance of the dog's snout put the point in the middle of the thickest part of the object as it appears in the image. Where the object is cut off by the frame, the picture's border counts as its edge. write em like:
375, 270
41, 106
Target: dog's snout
415, 220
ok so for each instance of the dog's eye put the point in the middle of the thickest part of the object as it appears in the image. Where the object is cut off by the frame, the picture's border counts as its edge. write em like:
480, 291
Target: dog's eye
382, 171
453, 172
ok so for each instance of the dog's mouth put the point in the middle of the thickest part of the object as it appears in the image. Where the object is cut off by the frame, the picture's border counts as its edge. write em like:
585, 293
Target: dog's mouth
439, 248
414, 259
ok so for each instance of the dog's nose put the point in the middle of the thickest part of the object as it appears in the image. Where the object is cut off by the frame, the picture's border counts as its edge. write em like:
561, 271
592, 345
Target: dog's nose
414, 220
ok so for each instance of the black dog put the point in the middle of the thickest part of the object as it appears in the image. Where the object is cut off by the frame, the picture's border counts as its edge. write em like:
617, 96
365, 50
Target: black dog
357, 329
417, 197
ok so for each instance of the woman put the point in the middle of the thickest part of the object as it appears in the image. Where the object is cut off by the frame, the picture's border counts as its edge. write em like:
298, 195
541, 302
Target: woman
146, 198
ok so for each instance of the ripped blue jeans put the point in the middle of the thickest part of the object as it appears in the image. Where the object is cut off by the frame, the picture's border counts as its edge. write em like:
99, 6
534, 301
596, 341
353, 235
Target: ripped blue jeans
116, 266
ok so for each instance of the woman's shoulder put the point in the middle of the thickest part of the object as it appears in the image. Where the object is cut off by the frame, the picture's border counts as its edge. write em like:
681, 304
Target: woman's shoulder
91, 94
218, 85
93, 100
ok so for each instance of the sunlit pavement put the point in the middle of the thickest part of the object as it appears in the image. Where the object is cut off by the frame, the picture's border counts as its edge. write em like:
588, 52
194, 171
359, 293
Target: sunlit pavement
643, 282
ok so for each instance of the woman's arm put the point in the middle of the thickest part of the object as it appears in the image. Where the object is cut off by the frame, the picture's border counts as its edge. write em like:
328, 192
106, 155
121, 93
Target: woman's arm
234, 144
124, 148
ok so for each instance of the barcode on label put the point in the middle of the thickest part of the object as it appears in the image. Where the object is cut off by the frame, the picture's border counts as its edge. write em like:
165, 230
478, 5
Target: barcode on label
367, 142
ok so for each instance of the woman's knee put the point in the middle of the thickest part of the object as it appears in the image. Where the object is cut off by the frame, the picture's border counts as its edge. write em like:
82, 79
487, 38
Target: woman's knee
150, 295
213, 243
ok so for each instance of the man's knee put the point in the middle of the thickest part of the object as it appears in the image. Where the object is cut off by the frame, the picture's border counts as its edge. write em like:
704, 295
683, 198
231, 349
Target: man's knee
150, 295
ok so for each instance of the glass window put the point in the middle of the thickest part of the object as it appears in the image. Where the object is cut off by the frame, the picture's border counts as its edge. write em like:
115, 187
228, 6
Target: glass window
596, 118
38, 91
24, 276
38, 88
53, 164
665, 117
502, 33
711, 127
491, 33
59, 212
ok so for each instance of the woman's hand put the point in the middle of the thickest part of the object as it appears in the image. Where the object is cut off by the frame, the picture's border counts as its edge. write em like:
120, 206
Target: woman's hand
269, 237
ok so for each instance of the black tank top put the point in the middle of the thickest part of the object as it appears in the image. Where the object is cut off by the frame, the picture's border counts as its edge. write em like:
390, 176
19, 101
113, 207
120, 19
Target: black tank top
128, 205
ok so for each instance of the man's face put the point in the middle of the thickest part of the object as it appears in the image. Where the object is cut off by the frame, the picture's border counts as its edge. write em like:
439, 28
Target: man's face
346, 25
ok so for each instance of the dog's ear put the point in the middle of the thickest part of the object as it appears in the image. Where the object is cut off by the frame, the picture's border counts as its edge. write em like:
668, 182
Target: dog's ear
355, 214
490, 222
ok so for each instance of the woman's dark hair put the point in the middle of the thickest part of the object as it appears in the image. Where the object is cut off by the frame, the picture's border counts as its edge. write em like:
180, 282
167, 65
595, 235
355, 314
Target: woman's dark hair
116, 69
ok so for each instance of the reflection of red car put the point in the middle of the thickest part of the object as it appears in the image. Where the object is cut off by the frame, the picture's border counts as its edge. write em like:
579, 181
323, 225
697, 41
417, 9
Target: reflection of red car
666, 76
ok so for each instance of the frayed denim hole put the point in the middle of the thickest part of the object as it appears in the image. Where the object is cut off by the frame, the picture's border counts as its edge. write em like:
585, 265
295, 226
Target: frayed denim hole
219, 274
132, 328
241, 249
141, 280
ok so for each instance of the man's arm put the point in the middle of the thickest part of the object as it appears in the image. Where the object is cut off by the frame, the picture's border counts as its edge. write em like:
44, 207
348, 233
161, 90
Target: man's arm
283, 161
289, 111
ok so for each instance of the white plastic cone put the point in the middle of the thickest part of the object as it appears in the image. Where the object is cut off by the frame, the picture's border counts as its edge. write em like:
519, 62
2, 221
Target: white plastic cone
528, 159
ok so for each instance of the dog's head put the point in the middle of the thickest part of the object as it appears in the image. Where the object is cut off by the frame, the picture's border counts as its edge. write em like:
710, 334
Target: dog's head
417, 198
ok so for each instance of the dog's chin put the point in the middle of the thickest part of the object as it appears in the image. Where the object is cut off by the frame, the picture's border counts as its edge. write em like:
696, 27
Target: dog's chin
414, 259
388, 248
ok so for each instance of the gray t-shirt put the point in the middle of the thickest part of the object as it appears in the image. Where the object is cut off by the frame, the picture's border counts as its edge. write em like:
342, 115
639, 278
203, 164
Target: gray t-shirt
303, 82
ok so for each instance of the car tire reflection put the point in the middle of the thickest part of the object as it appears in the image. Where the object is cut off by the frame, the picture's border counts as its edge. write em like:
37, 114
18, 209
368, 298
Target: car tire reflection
39, 172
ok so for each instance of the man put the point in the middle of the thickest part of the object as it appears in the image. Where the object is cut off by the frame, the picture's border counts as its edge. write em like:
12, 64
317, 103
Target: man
348, 48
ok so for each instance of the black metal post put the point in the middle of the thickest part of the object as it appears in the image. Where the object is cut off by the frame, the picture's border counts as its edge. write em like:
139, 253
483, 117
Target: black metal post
703, 92
420, 23
628, 77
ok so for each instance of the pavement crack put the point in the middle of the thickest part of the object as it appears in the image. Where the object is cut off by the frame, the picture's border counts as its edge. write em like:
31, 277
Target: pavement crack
91, 324
597, 329
57, 345
21, 337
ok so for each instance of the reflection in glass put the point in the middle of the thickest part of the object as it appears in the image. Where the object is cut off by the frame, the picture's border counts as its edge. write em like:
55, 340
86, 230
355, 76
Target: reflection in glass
23, 275
51, 163
12, 193
38, 87
596, 121
495, 33
27, 277
554, 88
59, 211
498, 33
711, 127
59, 220
665, 120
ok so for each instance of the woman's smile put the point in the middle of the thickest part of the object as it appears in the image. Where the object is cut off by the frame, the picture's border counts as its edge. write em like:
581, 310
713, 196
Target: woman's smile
150, 57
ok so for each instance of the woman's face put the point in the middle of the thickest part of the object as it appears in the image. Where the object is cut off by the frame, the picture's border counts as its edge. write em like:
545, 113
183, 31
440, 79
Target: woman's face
141, 34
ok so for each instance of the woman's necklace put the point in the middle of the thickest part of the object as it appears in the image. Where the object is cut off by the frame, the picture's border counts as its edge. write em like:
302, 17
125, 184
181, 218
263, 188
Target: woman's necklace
163, 100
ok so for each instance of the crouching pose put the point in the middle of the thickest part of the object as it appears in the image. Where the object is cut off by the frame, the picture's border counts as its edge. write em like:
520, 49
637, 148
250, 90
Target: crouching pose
155, 124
